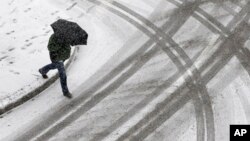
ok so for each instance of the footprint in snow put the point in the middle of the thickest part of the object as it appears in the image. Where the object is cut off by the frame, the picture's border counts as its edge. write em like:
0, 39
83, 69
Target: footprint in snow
11, 49
14, 20
54, 12
8, 33
29, 44
15, 72
13, 11
27, 10
33, 37
2, 58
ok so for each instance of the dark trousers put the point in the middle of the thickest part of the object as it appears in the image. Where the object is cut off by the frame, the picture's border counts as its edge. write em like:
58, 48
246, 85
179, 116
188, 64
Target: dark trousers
62, 74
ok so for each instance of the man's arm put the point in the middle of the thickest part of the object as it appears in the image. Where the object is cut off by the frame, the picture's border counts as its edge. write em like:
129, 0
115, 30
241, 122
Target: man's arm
52, 45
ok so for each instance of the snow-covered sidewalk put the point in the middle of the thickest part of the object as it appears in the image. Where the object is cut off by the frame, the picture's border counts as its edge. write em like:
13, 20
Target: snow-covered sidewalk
24, 31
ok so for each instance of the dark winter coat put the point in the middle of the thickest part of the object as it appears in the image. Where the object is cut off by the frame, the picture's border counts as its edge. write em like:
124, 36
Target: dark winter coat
58, 49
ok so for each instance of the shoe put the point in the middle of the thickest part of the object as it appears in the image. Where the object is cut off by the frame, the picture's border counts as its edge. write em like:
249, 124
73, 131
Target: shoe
68, 95
43, 75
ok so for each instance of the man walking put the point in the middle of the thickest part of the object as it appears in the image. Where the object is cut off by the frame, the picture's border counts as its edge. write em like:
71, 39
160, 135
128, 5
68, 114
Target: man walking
59, 51
66, 34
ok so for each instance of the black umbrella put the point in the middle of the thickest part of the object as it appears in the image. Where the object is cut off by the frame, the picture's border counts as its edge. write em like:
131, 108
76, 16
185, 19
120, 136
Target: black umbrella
70, 32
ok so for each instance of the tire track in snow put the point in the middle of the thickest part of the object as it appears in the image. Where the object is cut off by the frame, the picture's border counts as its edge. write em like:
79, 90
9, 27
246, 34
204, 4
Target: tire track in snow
243, 28
58, 116
168, 51
199, 89
168, 111
176, 25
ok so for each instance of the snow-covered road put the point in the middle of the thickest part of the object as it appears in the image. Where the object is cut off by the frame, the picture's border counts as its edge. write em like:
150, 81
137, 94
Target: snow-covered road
153, 70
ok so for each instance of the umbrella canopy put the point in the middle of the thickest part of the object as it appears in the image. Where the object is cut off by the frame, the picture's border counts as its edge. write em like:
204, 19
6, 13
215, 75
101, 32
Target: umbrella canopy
69, 31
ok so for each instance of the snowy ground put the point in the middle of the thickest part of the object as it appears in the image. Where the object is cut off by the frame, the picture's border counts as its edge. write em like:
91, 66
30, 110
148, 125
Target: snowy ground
24, 30
153, 70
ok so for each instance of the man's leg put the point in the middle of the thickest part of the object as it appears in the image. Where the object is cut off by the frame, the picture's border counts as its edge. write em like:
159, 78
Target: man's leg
63, 78
44, 70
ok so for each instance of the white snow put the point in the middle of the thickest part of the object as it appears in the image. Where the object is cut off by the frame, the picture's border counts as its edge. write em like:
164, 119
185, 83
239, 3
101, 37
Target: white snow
25, 29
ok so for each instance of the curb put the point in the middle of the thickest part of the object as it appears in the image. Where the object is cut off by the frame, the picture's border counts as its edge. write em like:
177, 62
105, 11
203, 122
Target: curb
38, 90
